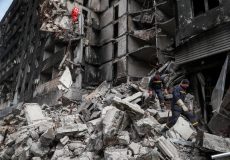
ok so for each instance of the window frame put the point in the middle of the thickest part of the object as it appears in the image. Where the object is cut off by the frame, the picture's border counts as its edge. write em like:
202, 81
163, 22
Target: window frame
206, 5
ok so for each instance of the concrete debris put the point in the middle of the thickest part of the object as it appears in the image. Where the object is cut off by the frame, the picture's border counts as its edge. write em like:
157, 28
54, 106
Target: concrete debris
123, 138
216, 143
65, 80
33, 113
129, 107
95, 142
94, 124
61, 153
77, 147
74, 130
64, 140
145, 125
135, 148
133, 97
98, 92
168, 148
108, 123
184, 128
88, 63
112, 122
164, 116
47, 137
116, 154
37, 149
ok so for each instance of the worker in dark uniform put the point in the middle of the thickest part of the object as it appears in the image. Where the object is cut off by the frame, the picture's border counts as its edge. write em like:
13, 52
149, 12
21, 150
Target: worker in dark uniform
178, 107
155, 88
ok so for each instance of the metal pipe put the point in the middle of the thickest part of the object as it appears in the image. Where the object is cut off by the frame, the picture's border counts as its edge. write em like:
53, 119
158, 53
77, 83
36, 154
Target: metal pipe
221, 155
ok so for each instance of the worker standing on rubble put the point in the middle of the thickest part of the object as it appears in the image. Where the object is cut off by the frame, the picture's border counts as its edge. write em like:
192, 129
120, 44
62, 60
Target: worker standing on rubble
178, 107
155, 88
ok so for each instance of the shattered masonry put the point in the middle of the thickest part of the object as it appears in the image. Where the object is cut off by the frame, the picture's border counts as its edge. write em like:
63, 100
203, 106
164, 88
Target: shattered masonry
74, 75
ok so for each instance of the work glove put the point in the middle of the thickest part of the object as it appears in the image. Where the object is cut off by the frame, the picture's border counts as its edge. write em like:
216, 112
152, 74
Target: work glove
166, 91
182, 105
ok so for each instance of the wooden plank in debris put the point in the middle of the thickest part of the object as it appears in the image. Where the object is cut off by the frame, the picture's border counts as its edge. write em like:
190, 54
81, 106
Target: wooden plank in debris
133, 97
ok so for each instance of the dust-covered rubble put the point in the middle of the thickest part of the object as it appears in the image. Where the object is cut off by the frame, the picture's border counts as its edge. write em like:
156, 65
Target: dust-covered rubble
108, 124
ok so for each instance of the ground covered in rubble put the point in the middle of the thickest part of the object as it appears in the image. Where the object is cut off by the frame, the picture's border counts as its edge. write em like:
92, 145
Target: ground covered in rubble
109, 123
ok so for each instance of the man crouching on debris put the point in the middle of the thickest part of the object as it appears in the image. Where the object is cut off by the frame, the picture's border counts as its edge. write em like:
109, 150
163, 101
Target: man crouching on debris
155, 87
178, 107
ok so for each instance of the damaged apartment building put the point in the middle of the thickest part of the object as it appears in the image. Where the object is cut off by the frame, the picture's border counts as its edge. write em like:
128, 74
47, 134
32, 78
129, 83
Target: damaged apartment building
116, 41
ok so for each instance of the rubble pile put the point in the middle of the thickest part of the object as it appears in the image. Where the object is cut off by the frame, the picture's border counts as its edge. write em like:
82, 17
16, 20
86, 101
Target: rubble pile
110, 123
56, 18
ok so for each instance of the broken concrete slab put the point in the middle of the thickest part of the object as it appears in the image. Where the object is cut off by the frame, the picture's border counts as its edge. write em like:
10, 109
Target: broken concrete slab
21, 136
125, 122
95, 142
148, 153
72, 130
37, 149
70, 119
184, 128
167, 148
135, 148
216, 143
129, 107
145, 125
116, 154
33, 113
89, 156
101, 90
65, 80
61, 153
64, 140
148, 142
133, 97
47, 137
73, 145
123, 138
95, 124
43, 126
112, 122
77, 147
65, 23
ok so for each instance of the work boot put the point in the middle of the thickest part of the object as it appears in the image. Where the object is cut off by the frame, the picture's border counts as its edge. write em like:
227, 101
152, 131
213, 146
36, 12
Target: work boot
162, 105
163, 131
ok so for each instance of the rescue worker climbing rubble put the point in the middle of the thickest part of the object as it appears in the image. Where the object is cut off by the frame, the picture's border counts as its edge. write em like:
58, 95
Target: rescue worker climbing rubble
178, 107
155, 88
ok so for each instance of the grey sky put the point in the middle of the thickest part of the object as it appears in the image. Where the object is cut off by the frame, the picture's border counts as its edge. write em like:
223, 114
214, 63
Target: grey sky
4, 5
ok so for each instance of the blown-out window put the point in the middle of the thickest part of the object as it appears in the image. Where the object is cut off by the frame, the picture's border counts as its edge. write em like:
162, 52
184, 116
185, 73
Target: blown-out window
213, 4
198, 7
202, 6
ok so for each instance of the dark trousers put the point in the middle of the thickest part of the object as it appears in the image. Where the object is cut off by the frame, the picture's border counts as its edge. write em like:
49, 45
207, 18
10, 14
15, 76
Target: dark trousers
159, 94
176, 114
